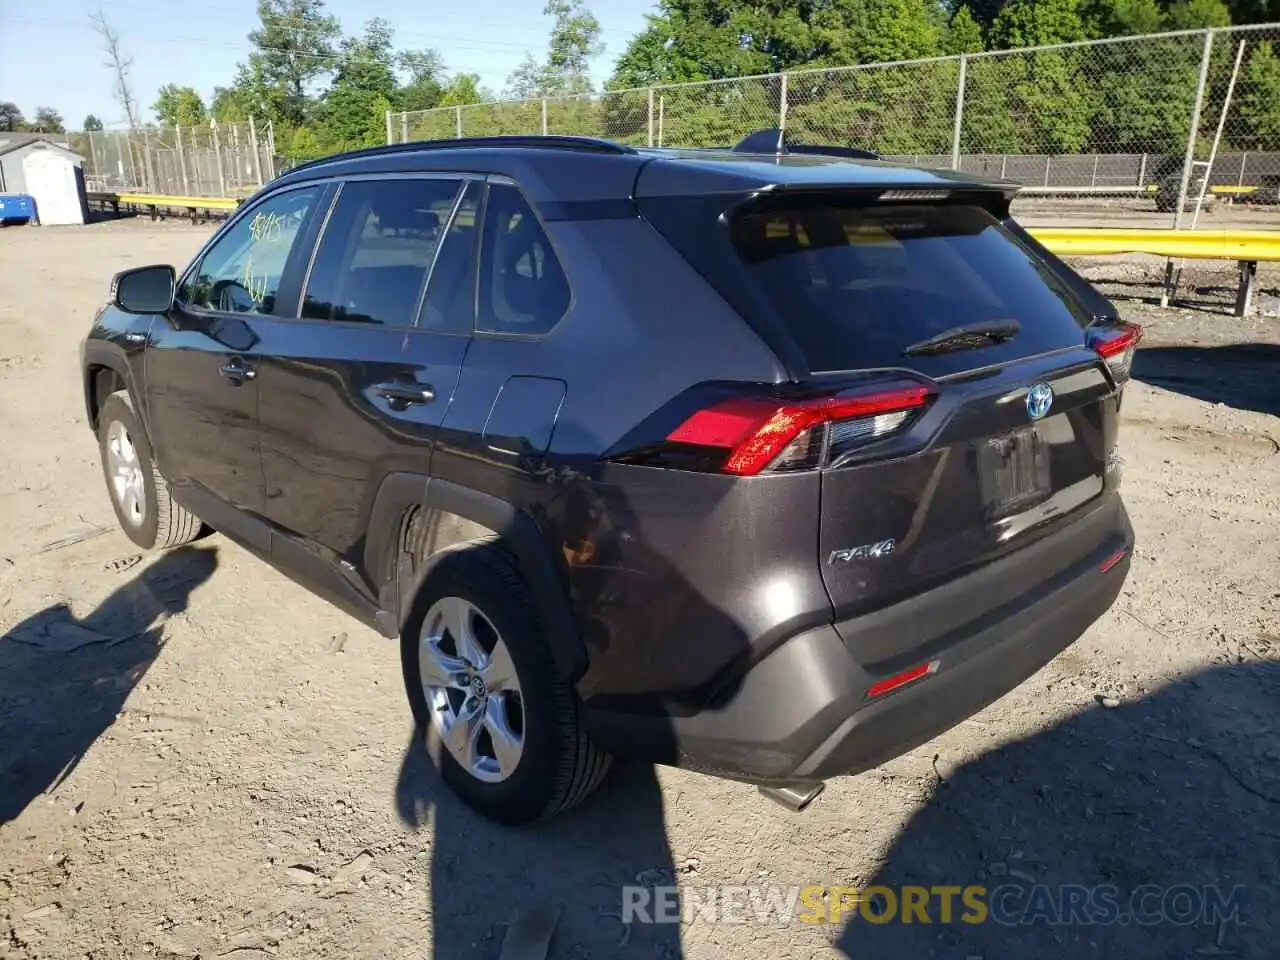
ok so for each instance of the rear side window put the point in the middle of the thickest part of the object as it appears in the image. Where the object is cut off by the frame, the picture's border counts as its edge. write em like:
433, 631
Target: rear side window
376, 250
857, 284
523, 289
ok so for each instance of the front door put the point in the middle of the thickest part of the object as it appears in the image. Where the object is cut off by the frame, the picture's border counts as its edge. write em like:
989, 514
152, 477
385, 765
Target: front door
202, 364
355, 388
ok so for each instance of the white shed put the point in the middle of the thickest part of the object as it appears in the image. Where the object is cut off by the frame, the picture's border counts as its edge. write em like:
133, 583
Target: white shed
50, 172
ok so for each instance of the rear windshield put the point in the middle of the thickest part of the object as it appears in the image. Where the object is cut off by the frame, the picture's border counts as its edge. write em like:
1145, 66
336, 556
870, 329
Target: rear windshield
857, 284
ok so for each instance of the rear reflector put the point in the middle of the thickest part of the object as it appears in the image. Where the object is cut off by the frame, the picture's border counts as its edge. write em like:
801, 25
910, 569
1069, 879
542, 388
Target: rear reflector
1118, 348
1112, 560
881, 687
760, 433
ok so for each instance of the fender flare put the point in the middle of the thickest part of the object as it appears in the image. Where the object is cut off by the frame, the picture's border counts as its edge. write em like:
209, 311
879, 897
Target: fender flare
100, 353
398, 583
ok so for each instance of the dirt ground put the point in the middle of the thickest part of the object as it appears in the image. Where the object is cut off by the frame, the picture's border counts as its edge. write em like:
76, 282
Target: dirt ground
200, 759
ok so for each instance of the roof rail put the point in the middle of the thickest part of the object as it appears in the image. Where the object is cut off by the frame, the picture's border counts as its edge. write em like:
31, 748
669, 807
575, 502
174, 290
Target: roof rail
587, 144
774, 141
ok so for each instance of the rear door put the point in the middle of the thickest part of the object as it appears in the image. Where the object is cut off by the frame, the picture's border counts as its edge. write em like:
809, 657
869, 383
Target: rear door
1014, 440
355, 385
991, 422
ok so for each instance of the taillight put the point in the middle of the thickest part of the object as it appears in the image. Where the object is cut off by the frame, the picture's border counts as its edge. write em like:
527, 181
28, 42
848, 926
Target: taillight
1117, 346
759, 435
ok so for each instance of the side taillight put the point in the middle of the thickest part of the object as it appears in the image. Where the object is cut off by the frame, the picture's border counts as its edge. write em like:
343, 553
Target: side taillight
760, 435
1117, 347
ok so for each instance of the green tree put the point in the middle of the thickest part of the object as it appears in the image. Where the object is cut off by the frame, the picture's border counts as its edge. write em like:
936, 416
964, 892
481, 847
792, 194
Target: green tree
11, 118
574, 41
179, 106
889, 30
427, 76
47, 120
353, 112
1033, 23
964, 35
1260, 100
1195, 14
91, 124
293, 48
462, 89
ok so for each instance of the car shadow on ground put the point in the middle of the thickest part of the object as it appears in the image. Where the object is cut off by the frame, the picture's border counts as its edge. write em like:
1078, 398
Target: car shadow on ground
1245, 375
1147, 809
572, 868
63, 680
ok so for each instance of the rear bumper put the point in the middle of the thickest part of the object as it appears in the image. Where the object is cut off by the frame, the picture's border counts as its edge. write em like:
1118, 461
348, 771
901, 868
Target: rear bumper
803, 712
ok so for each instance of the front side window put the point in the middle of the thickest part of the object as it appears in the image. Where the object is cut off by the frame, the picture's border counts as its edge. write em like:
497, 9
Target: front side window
377, 250
523, 288
241, 272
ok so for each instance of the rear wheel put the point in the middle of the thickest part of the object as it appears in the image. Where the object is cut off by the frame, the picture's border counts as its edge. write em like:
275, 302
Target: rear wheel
497, 720
140, 495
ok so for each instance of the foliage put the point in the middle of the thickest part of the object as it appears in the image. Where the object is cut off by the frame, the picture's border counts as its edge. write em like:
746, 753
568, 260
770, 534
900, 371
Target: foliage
574, 41
91, 124
11, 118
179, 106
47, 120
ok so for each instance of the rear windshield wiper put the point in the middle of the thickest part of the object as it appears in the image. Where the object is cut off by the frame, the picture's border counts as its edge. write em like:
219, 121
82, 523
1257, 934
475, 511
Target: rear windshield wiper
968, 337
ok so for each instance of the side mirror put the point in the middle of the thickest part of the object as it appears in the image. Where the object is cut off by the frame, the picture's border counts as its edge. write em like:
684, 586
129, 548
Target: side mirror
144, 289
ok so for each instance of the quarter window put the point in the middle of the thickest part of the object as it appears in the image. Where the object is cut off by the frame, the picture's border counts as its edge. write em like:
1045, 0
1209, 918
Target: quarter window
241, 272
523, 288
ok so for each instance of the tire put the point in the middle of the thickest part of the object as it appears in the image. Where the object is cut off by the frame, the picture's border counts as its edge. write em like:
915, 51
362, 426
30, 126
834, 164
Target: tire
146, 512
558, 765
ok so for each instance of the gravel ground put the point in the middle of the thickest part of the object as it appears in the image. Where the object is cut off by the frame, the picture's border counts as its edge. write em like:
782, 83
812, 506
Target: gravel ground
200, 759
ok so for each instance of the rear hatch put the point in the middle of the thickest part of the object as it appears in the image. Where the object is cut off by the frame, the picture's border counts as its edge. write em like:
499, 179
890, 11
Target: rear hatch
987, 417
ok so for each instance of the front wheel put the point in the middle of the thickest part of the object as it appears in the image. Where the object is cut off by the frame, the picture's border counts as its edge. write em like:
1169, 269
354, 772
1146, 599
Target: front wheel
140, 495
500, 724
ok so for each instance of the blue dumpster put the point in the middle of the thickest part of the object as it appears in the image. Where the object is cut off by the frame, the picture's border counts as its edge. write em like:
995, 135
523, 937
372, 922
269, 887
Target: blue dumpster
16, 207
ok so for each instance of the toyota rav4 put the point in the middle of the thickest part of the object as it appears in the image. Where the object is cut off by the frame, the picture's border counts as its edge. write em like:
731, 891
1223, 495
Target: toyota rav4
771, 462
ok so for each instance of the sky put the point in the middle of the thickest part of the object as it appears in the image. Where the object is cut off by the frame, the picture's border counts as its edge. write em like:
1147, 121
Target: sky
50, 56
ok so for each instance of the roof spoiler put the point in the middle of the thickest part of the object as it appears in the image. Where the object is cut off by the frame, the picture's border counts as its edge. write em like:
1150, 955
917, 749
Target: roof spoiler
774, 141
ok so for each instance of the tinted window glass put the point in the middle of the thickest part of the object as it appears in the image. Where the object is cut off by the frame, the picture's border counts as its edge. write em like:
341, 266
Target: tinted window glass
450, 304
856, 285
241, 272
522, 286
376, 250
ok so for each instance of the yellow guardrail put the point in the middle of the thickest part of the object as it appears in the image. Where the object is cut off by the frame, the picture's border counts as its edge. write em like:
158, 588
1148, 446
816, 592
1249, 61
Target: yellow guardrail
1241, 245
161, 200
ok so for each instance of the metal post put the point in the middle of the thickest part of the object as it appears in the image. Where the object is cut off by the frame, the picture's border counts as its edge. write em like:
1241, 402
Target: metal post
662, 109
133, 169
390, 138
1244, 162
650, 141
1190, 155
182, 163
93, 156
235, 156
458, 120
1188, 159
253, 144
1142, 175
404, 127
1093, 181
217, 158
1217, 136
1004, 165
271, 149
955, 133
544, 116
782, 111
1047, 160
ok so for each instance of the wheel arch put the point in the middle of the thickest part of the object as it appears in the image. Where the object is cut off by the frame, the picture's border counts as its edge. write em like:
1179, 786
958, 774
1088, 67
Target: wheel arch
417, 521
106, 371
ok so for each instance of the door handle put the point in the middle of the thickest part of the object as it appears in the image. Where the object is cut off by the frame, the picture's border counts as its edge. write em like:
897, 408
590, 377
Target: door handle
237, 370
404, 394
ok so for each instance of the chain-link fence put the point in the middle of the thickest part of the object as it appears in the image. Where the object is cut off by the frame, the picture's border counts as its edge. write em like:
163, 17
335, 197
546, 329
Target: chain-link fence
1164, 116
205, 160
